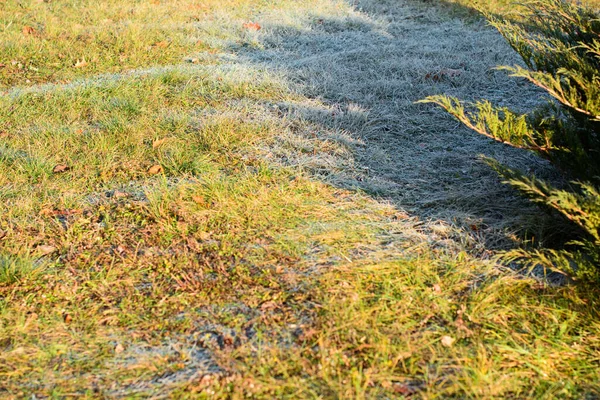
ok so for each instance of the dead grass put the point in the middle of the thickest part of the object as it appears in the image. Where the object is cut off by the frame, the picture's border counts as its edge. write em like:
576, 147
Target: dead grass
274, 219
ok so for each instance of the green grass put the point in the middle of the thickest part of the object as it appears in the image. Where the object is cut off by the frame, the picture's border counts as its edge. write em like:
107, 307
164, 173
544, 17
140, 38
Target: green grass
118, 277
56, 41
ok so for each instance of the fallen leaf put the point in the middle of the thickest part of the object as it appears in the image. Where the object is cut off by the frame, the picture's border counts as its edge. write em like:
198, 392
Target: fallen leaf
448, 341
268, 305
119, 348
404, 389
52, 212
29, 30
204, 236
199, 200
46, 249
460, 324
161, 44
46, 212
155, 169
60, 168
252, 26
432, 76
308, 334
81, 63
437, 288
158, 142
228, 340
67, 318
539, 286
117, 194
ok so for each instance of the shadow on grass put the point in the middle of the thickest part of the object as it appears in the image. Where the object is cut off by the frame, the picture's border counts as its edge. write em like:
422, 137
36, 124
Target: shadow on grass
363, 74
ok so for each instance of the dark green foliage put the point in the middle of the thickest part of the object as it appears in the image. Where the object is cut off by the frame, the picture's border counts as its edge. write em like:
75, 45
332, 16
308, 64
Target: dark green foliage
560, 45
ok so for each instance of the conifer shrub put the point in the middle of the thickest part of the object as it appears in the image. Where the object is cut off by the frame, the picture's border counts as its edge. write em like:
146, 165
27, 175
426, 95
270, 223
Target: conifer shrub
559, 43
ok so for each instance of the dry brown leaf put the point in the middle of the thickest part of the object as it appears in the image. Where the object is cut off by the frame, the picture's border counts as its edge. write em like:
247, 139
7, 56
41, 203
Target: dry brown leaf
60, 168
81, 63
228, 340
437, 288
204, 236
448, 341
29, 30
161, 44
252, 26
46, 249
460, 324
46, 212
269, 305
308, 334
158, 142
67, 318
199, 200
119, 348
404, 389
155, 169
117, 194
52, 212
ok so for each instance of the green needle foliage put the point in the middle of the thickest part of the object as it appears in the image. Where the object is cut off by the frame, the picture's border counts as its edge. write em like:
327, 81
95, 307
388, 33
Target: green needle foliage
560, 45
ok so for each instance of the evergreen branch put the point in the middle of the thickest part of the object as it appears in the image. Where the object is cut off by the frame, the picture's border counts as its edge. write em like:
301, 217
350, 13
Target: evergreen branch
510, 128
581, 207
554, 87
578, 265
560, 44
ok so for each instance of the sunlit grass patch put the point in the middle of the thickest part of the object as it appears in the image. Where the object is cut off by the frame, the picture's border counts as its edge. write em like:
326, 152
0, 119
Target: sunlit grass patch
152, 266
54, 41
431, 326
57, 41
81, 139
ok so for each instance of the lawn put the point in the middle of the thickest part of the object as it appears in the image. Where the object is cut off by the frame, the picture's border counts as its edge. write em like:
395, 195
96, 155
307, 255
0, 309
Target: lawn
228, 199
